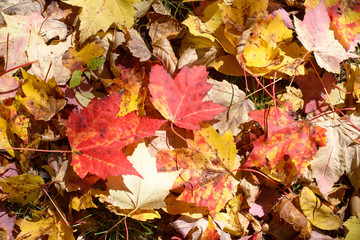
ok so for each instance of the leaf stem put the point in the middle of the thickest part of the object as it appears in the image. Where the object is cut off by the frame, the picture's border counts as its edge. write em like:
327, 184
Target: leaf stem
38, 150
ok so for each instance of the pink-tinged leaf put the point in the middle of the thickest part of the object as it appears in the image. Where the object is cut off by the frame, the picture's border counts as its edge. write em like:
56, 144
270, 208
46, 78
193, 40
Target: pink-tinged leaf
97, 136
314, 33
180, 99
300, 140
8, 86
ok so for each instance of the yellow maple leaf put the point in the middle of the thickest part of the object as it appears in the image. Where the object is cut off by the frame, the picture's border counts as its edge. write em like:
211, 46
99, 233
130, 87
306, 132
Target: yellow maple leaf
22, 188
99, 15
42, 99
52, 226
320, 215
135, 193
269, 49
82, 202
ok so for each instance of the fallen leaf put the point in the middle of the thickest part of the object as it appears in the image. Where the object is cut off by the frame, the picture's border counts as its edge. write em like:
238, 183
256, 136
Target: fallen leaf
42, 99
145, 193
210, 232
138, 47
52, 227
232, 219
7, 138
345, 20
319, 214
239, 18
269, 49
315, 35
48, 58
77, 60
161, 30
238, 107
7, 223
23, 188
180, 99
18, 29
292, 95
82, 202
96, 16
8, 86
314, 90
207, 175
97, 136
353, 226
288, 222
339, 156
284, 136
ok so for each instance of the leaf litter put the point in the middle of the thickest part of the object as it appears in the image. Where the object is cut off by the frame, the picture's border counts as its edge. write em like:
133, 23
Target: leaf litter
151, 116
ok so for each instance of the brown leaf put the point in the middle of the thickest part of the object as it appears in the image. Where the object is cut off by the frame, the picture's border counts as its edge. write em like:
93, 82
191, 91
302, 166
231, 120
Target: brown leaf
138, 47
288, 222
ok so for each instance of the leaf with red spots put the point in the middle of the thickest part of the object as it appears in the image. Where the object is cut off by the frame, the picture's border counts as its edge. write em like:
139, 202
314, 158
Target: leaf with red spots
97, 136
206, 174
180, 99
300, 140
345, 20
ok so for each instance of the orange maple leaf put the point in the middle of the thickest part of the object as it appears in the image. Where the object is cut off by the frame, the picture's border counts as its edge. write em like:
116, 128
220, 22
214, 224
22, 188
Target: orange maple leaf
207, 176
284, 136
97, 136
180, 99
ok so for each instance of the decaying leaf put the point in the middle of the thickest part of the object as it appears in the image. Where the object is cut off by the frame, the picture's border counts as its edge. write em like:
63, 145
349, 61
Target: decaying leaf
230, 96
162, 29
288, 222
77, 60
339, 156
48, 59
42, 99
23, 188
51, 226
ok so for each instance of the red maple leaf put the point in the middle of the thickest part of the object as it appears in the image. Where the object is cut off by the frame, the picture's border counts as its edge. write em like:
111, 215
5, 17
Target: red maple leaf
180, 99
284, 136
97, 136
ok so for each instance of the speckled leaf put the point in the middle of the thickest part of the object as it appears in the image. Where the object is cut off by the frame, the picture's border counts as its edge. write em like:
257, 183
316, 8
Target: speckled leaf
77, 60
42, 99
284, 136
22, 188
180, 99
97, 136
208, 181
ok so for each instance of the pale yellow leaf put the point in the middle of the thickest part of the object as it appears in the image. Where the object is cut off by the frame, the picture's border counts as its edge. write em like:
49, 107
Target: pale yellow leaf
145, 193
99, 15
319, 214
